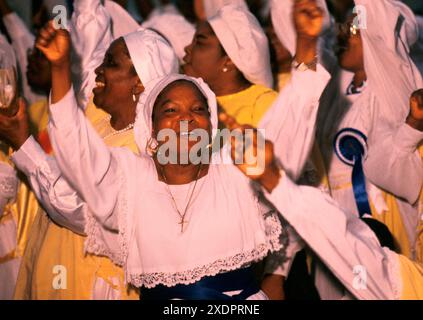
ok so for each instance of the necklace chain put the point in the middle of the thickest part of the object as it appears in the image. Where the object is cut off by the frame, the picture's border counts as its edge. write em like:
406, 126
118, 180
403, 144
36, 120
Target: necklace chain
182, 216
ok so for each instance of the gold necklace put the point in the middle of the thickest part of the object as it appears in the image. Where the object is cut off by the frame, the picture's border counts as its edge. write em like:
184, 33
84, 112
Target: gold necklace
182, 222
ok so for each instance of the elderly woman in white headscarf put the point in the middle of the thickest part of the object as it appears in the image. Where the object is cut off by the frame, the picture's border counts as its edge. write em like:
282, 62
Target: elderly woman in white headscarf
231, 53
129, 195
130, 63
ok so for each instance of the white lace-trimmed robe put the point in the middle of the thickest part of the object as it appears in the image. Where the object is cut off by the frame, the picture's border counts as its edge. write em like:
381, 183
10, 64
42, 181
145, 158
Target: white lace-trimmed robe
113, 183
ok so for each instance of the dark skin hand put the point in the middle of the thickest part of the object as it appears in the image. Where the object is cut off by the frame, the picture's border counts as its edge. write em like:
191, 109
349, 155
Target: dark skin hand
415, 117
308, 21
270, 176
15, 130
55, 44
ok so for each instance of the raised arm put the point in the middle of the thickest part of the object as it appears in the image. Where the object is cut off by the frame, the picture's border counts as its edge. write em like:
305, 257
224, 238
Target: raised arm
59, 200
346, 245
81, 154
394, 162
91, 33
390, 71
290, 122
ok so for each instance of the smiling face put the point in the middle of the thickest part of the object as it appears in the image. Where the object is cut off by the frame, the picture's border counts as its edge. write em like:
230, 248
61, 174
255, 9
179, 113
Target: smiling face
116, 80
350, 47
205, 57
181, 102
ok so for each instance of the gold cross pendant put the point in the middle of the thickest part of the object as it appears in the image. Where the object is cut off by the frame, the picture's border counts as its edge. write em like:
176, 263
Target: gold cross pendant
182, 224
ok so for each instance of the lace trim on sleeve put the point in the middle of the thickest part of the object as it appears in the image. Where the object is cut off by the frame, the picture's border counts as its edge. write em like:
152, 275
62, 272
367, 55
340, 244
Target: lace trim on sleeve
95, 243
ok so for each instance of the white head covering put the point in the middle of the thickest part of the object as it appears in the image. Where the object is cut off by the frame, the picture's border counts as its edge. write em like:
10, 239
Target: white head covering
151, 55
7, 54
391, 73
174, 28
144, 121
245, 42
122, 22
212, 7
417, 51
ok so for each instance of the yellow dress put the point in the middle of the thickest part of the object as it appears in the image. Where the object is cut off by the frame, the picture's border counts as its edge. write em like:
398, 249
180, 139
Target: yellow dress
54, 251
411, 278
419, 243
20, 214
248, 106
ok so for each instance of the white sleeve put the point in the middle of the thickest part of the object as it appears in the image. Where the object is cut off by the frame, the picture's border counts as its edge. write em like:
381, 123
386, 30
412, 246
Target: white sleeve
91, 35
394, 163
84, 159
346, 245
57, 197
290, 122
8, 185
22, 40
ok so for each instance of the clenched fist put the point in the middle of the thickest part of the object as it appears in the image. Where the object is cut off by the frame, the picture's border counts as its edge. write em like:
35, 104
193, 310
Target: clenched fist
415, 117
308, 18
55, 44
252, 154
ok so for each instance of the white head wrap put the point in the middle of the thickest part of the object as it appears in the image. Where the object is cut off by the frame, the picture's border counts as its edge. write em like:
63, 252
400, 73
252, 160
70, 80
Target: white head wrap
245, 42
391, 73
7, 54
122, 21
417, 50
151, 55
174, 28
144, 121
212, 7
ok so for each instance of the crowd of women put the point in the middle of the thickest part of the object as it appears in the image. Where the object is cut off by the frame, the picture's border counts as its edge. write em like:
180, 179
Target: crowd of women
327, 93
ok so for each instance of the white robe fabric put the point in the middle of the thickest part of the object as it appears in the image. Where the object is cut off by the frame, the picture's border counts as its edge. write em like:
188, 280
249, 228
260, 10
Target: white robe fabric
417, 50
343, 242
117, 207
245, 42
8, 186
386, 49
394, 163
212, 7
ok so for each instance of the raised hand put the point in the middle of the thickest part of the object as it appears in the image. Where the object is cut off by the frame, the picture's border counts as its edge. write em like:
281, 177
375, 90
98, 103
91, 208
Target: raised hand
55, 44
15, 130
308, 18
254, 157
415, 117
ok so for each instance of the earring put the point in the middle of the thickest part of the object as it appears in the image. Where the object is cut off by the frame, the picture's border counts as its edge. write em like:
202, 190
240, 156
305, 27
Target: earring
134, 97
225, 69
151, 147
